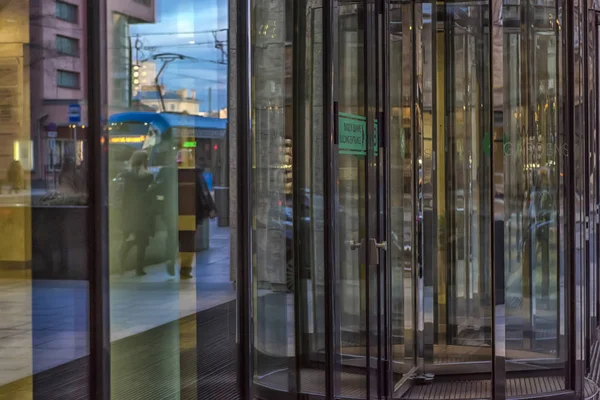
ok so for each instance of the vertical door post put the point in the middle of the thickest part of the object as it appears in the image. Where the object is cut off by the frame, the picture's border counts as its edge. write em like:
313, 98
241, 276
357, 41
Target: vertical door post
244, 200
98, 195
497, 209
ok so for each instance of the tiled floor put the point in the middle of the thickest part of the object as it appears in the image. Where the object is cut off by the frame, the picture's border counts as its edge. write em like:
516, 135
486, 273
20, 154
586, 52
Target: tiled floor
44, 324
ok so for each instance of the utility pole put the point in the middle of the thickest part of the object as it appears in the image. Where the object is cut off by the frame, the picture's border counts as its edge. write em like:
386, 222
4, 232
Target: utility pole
220, 45
166, 58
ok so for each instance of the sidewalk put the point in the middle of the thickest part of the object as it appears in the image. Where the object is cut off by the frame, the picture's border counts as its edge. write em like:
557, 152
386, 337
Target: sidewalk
45, 322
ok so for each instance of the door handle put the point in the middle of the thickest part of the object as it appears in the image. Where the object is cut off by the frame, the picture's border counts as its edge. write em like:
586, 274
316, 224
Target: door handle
374, 248
354, 245
382, 245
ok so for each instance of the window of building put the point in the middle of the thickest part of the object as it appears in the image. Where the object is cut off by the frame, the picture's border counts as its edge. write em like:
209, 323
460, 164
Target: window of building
67, 46
172, 107
66, 11
67, 79
147, 3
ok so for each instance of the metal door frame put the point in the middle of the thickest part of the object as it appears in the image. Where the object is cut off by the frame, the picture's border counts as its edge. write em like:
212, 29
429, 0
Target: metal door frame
596, 72
371, 244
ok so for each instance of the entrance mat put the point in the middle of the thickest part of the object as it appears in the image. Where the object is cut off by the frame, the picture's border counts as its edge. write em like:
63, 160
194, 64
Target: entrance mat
482, 389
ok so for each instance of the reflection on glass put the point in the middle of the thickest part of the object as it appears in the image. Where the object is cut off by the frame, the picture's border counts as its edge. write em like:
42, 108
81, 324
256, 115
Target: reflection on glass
401, 191
288, 213
351, 192
172, 301
310, 249
468, 190
273, 204
531, 189
461, 195
44, 224
593, 203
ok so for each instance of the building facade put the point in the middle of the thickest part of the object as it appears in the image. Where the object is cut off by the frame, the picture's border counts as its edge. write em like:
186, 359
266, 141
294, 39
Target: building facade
384, 200
182, 101
58, 30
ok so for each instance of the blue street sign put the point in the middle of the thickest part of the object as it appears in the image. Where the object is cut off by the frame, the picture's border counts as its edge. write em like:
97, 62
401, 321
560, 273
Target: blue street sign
74, 113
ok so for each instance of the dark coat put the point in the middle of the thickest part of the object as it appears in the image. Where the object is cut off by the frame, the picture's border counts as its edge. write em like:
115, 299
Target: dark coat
137, 213
166, 193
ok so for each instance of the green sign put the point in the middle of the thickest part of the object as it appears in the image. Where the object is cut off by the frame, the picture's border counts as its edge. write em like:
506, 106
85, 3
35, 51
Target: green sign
353, 135
402, 144
487, 144
376, 139
189, 145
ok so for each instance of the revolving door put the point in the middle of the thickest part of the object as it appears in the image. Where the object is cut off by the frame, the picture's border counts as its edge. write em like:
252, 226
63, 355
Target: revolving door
410, 201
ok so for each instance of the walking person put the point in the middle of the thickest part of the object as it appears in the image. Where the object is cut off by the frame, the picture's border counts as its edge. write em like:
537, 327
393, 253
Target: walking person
137, 210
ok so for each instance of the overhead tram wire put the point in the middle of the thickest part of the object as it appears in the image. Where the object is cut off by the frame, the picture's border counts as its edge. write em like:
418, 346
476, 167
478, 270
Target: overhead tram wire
180, 33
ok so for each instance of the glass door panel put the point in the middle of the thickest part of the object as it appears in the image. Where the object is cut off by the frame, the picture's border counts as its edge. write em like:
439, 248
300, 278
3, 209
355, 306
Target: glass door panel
402, 246
358, 286
591, 173
531, 154
353, 290
463, 188
592, 157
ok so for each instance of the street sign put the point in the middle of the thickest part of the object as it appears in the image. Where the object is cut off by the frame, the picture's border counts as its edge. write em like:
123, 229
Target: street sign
52, 134
74, 113
52, 144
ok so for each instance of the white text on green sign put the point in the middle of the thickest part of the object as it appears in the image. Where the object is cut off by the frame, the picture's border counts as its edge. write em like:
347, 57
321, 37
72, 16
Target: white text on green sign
353, 135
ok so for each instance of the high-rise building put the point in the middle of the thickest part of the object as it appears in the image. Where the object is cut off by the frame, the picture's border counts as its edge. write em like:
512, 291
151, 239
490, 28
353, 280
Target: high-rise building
121, 15
58, 31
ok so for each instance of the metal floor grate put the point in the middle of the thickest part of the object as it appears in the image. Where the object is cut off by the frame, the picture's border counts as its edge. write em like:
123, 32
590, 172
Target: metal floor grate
354, 386
189, 359
312, 381
482, 389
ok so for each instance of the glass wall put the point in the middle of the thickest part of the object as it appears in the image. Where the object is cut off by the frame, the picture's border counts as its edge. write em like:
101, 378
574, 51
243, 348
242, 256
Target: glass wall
353, 106
171, 278
477, 235
287, 195
533, 191
45, 223
402, 247
455, 184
